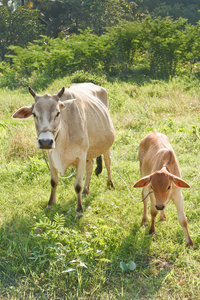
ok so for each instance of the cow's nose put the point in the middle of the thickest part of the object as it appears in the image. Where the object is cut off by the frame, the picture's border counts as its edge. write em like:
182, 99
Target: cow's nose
160, 207
45, 143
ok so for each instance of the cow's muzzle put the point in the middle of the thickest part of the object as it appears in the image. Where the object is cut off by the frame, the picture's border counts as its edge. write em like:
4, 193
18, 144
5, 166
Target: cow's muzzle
45, 144
46, 140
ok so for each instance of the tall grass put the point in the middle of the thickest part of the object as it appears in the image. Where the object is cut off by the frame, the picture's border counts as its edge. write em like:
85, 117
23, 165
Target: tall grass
106, 254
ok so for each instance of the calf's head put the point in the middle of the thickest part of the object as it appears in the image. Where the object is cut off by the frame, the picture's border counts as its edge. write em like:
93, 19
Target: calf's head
46, 112
161, 184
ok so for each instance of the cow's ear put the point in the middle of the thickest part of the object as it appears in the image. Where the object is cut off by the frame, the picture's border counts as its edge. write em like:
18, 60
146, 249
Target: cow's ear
32, 92
180, 182
64, 104
23, 113
61, 92
142, 182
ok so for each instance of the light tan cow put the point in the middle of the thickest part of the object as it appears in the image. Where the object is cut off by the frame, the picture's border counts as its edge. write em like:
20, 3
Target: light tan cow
161, 179
75, 127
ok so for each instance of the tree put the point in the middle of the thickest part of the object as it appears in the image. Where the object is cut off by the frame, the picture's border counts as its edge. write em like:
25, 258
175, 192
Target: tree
18, 27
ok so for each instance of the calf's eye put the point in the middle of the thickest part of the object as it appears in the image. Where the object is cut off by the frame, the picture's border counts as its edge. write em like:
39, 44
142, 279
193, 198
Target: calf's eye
58, 114
34, 115
168, 187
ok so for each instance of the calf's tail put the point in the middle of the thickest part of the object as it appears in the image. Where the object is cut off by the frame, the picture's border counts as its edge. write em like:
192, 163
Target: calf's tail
99, 167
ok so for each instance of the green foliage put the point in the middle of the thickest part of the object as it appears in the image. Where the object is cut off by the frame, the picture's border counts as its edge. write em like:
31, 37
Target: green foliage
18, 27
159, 48
175, 9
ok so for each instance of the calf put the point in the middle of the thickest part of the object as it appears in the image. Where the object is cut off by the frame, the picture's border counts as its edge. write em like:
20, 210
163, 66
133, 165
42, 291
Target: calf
161, 180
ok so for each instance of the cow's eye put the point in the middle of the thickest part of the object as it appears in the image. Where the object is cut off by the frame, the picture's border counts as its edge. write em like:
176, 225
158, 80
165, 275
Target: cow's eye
151, 187
34, 114
169, 187
58, 114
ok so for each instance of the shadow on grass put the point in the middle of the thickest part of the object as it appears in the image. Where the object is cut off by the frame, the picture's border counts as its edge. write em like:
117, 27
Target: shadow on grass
29, 253
150, 272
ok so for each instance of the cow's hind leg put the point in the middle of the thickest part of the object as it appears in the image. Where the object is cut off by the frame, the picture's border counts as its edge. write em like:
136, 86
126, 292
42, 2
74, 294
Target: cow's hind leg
107, 160
89, 169
99, 167
78, 185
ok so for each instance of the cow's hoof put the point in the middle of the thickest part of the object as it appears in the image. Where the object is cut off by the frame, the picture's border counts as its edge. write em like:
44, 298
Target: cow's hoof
85, 193
79, 209
49, 207
79, 214
110, 185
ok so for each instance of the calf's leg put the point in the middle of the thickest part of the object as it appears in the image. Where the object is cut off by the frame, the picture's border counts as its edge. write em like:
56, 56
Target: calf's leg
153, 214
162, 215
178, 201
145, 199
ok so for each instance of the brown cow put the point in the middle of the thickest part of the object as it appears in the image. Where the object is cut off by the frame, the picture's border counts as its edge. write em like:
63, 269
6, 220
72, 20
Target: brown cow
161, 179
75, 127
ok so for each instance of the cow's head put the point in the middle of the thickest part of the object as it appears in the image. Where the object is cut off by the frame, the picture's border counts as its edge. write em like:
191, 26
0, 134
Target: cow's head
46, 112
161, 184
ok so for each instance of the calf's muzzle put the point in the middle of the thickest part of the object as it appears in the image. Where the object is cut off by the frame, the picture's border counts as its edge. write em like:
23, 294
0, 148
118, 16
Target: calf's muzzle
160, 207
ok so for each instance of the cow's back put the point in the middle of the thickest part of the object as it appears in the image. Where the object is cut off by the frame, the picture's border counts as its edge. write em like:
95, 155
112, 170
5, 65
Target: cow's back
89, 88
154, 151
87, 118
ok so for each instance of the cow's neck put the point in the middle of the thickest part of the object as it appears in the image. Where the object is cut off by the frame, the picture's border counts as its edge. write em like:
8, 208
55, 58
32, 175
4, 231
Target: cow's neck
59, 155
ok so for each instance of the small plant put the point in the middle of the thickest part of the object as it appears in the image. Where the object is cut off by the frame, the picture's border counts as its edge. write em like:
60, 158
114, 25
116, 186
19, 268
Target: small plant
130, 266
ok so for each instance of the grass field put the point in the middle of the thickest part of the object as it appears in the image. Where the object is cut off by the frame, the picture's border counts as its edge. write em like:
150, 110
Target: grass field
106, 254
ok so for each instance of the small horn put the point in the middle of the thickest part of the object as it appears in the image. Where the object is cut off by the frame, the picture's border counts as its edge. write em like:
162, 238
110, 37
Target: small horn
32, 92
61, 92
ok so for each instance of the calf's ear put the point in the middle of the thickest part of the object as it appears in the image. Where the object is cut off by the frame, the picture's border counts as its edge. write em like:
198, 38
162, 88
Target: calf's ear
23, 113
179, 182
142, 182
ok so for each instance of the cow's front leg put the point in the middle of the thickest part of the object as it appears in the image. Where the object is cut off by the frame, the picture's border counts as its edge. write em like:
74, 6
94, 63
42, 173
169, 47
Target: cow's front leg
54, 183
89, 169
78, 185
178, 201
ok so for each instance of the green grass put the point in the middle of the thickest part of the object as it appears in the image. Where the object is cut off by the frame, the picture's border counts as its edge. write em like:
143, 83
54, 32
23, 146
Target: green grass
56, 255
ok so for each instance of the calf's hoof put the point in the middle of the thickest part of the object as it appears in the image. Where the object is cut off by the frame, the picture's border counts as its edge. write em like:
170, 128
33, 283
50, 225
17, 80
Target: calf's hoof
151, 230
190, 245
145, 221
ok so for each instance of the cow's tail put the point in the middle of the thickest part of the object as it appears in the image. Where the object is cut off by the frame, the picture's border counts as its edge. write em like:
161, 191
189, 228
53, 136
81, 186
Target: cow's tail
99, 167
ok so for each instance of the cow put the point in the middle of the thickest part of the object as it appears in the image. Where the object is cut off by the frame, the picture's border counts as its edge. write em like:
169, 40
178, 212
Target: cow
161, 180
74, 126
